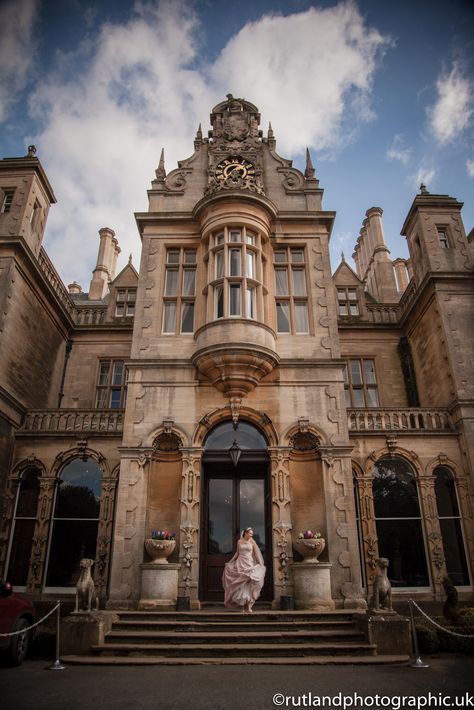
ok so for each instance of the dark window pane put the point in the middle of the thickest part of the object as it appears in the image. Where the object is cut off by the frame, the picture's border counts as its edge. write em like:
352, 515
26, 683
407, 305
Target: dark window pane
252, 509
246, 435
401, 541
28, 494
283, 316
394, 490
454, 551
187, 325
445, 494
220, 540
79, 490
71, 541
116, 399
21, 551
118, 373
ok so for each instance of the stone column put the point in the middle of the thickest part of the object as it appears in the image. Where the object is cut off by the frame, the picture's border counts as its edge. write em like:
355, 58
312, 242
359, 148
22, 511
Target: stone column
281, 523
368, 529
429, 514
190, 521
129, 537
342, 534
104, 536
41, 535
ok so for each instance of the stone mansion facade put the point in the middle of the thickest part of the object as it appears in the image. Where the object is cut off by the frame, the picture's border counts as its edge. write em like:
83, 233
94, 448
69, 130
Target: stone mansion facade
233, 381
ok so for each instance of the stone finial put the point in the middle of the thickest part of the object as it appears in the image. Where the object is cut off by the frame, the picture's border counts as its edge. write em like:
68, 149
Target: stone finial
31, 151
74, 287
270, 131
160, 172
309, 170
130, 259
423, 189
198, 138
343, 258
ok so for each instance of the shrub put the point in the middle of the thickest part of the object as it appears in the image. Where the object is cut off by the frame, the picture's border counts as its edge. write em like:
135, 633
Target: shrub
428, 640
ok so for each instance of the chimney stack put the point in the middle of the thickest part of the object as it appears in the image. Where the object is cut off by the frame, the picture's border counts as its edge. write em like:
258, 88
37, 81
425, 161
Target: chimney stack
105, 267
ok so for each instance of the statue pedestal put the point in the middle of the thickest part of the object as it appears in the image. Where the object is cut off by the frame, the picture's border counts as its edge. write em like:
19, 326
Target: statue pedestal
312, 586
159, 586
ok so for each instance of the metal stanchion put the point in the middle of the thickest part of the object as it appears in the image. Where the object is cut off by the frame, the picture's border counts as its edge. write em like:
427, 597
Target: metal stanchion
417, 663
57, 665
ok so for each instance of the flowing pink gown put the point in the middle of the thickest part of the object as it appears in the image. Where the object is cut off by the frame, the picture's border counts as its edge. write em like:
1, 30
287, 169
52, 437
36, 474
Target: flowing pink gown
243, 577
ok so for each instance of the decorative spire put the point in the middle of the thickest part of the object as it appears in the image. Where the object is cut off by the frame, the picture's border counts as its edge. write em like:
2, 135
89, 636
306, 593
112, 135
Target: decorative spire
343, 258
309, 170
130, 259
198, 138
270, 131
160, 172
423, 189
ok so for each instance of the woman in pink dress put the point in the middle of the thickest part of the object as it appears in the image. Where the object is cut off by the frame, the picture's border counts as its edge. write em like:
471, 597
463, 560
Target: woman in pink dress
244, 574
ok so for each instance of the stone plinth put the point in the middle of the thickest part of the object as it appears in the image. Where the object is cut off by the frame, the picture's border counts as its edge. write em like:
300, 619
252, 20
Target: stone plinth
312, 584
159, 586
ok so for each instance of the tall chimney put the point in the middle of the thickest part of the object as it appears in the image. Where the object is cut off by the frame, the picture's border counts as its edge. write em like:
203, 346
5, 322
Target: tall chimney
102, 273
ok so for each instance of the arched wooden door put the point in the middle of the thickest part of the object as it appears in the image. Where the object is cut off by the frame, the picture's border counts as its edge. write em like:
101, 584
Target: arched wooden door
236, 495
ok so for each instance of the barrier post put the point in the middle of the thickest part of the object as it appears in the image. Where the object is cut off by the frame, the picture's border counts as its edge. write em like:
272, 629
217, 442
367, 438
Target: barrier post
417, 663
57, 665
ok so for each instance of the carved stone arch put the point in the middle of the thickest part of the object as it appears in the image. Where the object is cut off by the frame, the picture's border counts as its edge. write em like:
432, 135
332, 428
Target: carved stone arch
306, 436
357, 469
258, 419
115, 473
79, 452
30, 462
167, 437
393, 451
443, 460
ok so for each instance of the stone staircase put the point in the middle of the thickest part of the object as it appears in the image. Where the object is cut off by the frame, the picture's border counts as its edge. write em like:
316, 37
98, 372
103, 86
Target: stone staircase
219, 637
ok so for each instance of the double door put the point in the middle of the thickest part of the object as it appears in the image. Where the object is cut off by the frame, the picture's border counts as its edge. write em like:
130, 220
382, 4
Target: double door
234, 498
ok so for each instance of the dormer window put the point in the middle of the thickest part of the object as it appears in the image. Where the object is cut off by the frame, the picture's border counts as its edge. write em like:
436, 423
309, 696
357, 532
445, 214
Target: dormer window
125, 302
7, 201
347, 303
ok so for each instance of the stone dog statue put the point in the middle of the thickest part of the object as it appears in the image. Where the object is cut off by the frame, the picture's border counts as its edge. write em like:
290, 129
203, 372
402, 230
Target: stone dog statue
85, 588
382, 598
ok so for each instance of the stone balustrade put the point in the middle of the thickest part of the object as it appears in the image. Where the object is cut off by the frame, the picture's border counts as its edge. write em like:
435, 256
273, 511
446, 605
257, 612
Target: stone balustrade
90, 316
410, 419
63, 421
55, 282
383, 313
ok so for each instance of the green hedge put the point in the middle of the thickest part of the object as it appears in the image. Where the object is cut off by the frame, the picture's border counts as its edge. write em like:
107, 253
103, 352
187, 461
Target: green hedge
432, 639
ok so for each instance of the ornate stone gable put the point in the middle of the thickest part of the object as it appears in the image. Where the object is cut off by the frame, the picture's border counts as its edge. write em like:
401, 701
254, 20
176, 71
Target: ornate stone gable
235, 148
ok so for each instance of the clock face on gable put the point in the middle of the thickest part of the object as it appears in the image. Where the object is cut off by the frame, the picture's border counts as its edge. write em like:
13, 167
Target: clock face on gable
234, 168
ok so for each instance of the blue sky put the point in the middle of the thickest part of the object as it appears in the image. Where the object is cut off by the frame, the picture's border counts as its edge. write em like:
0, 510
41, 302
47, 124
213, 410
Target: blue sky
381, 92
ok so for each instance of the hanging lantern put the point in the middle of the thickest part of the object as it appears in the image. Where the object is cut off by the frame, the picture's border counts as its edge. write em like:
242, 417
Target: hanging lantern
235, 452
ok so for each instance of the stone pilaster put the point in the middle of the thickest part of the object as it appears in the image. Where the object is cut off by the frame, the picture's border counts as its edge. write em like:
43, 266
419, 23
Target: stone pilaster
190, 521
44, 512
281, 522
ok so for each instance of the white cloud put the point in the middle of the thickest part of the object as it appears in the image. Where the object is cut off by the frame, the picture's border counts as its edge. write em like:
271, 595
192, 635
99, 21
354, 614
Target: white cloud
17, 49
113, 103
470, 168
452, 110
311, 72
425, 174
398, 150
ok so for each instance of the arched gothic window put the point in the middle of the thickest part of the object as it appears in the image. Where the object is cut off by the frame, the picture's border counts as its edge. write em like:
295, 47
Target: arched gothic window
75, 521
450, 524
398, 522
24, 527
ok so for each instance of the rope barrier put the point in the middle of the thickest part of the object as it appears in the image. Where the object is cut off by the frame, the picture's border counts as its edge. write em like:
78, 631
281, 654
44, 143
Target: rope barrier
22, 631
453, 633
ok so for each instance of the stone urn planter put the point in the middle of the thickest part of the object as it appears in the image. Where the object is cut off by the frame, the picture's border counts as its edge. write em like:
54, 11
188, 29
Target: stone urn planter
310, 548
159, 550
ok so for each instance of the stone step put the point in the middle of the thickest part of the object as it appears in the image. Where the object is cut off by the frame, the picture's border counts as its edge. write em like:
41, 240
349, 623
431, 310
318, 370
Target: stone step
231, 616
205, 637
270, 660
209, 650
236, 626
